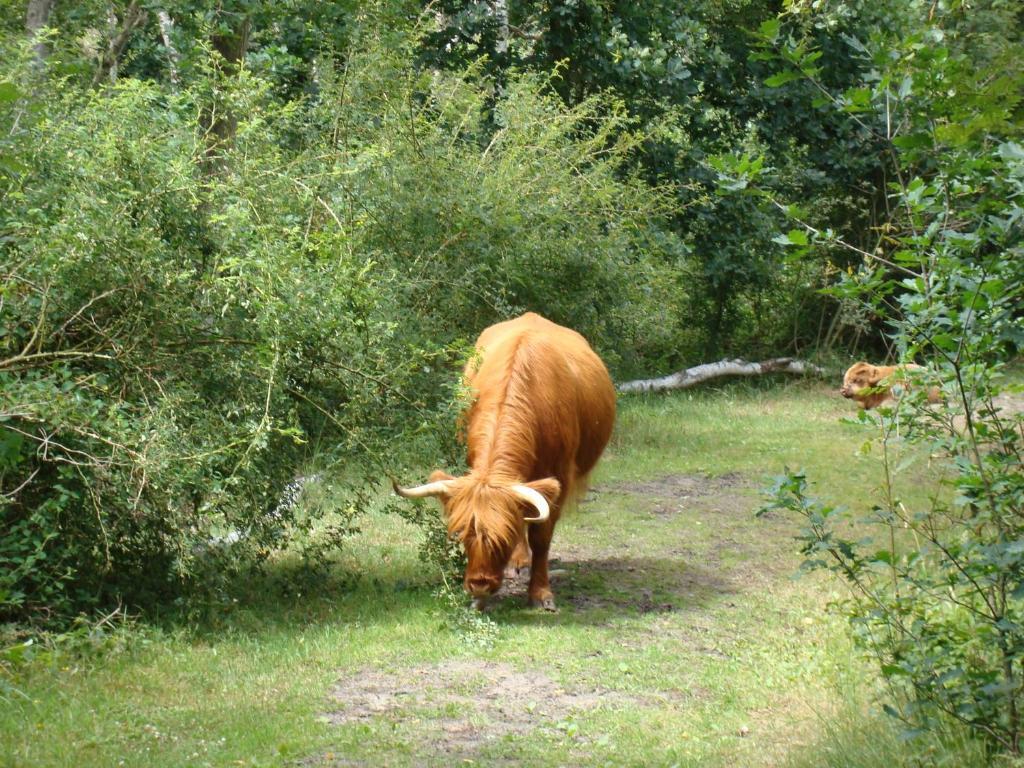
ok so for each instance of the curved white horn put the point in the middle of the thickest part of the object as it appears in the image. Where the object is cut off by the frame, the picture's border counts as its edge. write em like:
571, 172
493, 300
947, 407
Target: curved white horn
531, 496
436, 488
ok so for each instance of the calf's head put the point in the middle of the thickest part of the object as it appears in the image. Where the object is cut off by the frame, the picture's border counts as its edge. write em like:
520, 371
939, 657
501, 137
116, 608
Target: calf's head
488, 518
859, 376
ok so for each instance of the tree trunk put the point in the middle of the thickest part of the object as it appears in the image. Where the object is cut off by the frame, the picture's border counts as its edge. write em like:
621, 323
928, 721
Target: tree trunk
232, 46
166, 29
36, 17
701, 373
560, 30
222, 125
500, 8
720, 296
134, 17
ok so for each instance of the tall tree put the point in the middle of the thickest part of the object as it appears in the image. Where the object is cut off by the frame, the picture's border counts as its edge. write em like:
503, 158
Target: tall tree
36, 18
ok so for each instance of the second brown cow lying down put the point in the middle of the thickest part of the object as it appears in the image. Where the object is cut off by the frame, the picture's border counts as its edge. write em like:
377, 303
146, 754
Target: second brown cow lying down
871, 385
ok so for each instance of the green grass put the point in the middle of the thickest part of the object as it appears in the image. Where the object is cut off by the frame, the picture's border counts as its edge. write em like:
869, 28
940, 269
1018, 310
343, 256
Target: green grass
680, 618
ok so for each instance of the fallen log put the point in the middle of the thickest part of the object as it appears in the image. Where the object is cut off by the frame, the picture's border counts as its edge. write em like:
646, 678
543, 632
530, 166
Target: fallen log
702, 373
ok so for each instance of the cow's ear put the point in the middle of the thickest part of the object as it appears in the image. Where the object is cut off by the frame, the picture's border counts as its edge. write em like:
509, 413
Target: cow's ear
549, 488
437, 474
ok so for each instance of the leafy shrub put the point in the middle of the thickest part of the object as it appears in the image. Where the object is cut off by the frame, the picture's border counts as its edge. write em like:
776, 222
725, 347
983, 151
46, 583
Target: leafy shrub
172, 340
938, 590
488, 204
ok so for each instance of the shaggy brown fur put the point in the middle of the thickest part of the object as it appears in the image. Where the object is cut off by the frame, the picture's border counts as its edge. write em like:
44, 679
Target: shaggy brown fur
542, 412
871, 385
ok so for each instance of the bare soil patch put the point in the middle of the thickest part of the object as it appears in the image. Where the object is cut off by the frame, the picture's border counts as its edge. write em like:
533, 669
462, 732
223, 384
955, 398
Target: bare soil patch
674, 486
672, 494
478, 701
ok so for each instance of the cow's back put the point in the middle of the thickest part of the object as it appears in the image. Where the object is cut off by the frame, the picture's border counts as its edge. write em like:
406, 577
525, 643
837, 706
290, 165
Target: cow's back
540, 388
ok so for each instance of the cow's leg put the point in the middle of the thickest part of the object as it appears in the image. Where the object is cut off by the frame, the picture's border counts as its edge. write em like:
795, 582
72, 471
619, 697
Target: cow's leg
520, 557
540, 588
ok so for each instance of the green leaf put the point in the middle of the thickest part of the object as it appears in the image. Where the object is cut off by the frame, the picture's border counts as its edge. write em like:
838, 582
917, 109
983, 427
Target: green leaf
9, 91
809, 59
857, 99
781, 78
883, 556
769, 30
854, 43
797, 237
11, 166
913, 141
10, 448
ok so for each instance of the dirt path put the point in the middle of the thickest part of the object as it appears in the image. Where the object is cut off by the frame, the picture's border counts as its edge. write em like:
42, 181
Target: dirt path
696, 552
483, 701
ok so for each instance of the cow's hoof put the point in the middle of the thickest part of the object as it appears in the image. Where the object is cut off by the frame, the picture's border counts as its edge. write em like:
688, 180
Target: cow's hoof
547, 603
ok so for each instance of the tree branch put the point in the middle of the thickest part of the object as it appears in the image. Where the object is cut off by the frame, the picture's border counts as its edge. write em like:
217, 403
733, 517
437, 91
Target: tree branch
134, 17
701, 373
523, 34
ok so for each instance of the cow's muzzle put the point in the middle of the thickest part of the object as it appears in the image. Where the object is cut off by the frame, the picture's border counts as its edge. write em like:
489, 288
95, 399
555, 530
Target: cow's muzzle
482, 587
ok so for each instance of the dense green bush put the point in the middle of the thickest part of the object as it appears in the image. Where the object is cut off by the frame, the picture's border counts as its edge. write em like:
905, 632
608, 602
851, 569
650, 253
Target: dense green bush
172, 340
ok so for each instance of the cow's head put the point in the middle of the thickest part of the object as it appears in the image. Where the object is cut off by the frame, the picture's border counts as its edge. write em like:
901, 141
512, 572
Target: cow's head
859, 376
488, 518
